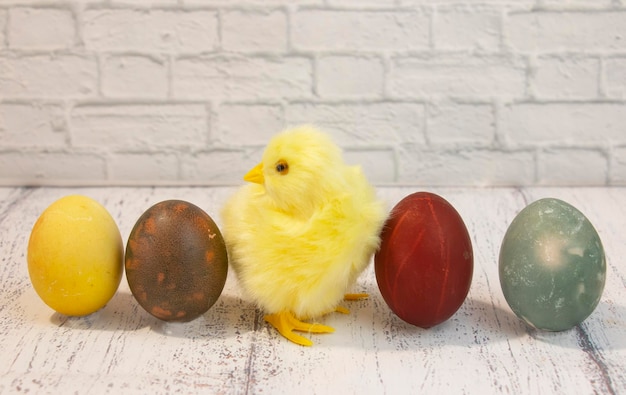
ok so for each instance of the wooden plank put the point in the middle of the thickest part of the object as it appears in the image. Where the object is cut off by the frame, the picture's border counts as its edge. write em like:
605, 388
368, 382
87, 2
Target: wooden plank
484, 347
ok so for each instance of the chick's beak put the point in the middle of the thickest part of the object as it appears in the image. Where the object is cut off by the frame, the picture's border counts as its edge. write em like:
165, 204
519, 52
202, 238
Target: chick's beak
255, 175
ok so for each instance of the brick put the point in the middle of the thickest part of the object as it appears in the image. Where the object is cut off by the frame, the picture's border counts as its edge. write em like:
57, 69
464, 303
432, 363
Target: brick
360, 4
617, 174
363, 124
565, 78
139, 127
3, 24
564, 123
32, 125
379, 166
516, 3
218, 167
143, 168
571, 167
254, 31
230, 77
25, 167
41, 28
615, 78
249, 124
458, 123
566, 31
48, 76
466, 28
569, 4
47, 3
134, 76
145, 3
264, 3
349, 76
478, 167
150, 30
457, 76
359, 30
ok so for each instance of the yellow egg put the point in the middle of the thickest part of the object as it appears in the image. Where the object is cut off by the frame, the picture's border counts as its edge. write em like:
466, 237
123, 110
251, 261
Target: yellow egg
75, 256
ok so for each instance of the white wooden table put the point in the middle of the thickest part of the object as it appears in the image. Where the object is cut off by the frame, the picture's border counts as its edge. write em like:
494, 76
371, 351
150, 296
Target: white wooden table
483, 348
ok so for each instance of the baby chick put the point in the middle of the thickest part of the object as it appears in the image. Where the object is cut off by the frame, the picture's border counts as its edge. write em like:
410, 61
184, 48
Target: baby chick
302, 231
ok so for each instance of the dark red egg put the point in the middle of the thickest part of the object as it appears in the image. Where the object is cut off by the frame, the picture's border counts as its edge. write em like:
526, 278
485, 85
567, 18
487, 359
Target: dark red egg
176, 261
425, 262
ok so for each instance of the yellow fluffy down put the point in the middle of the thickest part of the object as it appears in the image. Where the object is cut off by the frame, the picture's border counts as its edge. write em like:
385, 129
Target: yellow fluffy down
298, 240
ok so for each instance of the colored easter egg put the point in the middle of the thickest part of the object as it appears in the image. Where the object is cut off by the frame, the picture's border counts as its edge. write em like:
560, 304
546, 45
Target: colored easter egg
176, 261
425, 262
75, 256
552, 265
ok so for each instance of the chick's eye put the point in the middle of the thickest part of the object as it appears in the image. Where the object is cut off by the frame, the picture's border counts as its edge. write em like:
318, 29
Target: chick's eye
282, 167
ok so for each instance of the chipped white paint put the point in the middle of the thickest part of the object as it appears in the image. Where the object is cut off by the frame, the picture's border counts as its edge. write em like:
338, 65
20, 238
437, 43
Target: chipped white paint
483, 348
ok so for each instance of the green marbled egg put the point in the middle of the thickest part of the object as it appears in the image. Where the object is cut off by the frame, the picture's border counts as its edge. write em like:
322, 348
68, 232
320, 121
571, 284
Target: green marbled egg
552, 265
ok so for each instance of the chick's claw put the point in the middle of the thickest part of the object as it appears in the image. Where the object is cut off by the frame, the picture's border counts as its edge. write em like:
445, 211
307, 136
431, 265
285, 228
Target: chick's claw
353, 297
285, 323
341, 310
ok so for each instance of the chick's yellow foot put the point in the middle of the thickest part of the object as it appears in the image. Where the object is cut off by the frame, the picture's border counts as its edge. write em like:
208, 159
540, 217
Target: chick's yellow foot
341, 310
355, 296
350, 297
286, 323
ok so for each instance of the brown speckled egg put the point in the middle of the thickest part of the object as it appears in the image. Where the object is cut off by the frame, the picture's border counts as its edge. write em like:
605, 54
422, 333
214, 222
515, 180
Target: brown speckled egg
176, 261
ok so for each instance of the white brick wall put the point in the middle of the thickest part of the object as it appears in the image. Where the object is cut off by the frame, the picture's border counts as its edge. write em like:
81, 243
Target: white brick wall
134, 76
430, 92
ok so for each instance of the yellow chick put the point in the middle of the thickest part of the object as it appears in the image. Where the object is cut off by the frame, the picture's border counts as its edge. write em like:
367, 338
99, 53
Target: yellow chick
302, 231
